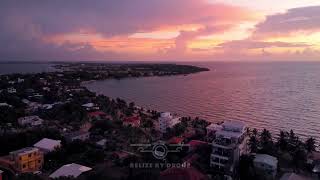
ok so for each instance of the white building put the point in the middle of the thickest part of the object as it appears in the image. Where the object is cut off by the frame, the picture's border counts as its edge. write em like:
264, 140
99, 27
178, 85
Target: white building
74, 170
167, 120
20, 80
47, 145
11, 90
30, 120
101, 143
90, 106
230, 142
78, 135
5, 105
212, 128
266, 164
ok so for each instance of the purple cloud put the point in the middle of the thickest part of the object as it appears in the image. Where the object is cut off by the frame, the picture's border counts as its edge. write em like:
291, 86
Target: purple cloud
250, 44
294, 20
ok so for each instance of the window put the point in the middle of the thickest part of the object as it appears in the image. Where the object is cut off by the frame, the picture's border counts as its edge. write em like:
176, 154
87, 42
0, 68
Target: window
24, 166
39, 161
29, 155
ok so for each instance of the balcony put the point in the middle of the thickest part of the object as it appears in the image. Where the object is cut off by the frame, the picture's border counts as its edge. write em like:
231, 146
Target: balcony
224, 143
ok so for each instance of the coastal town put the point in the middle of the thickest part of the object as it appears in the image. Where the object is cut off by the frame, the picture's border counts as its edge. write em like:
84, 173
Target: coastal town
52, 127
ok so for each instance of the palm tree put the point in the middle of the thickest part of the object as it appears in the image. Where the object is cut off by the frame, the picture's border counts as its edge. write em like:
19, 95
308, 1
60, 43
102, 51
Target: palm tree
282, 142
253, 144
266, 141
310, 144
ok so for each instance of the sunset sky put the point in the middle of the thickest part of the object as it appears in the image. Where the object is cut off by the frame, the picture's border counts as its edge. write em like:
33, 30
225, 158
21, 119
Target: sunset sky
160, 30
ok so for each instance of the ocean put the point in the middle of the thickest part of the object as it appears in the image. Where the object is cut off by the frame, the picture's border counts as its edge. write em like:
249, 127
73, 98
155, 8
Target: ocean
272, 95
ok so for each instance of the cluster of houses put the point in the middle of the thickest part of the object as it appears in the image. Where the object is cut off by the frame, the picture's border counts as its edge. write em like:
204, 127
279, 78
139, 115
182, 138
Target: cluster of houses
30, 160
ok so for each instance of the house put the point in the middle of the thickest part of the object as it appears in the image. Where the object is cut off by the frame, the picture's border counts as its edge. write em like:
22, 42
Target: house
11, 90
73, 170
101, 143
166, 120
212, 128
5, 105
134, 121
47, 145
266, 165
90, 106
78, 135
30, 120
29, 159
20, 80
85, 127
230, 143
96, 115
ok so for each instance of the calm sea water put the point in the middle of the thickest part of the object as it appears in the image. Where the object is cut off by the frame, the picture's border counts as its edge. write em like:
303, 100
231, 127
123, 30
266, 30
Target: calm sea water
9, 68
279, 95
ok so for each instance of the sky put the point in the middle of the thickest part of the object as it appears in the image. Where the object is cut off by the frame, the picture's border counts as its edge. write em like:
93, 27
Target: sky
160, 30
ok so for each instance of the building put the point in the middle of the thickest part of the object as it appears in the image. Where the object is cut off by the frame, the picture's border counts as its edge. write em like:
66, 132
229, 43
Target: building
25, 160
30, 120
90, 106
266, 165
78, 135
166, 120
47, 145
96, 115
11, 90
133, 121
73, 170
5, 105
212, 128
101, 143
230, 142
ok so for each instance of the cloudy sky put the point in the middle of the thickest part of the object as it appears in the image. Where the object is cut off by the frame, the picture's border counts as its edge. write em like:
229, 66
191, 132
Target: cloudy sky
155, 30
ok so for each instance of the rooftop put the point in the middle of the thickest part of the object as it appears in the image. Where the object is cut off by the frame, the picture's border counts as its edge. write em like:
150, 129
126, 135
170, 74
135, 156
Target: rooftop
166, 114
48, 144
73, 170
88, 105
132, 119
24, 150
266, 159
233, 125
97, 113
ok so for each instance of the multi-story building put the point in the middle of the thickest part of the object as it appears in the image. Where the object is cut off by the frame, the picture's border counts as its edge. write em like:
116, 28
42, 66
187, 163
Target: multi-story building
30, 120
167, 120
77, 135
230, 142
28, 159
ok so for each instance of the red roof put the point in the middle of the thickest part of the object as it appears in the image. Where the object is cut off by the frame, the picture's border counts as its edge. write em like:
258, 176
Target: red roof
131, 119
182, 174
97, 113
175, 140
